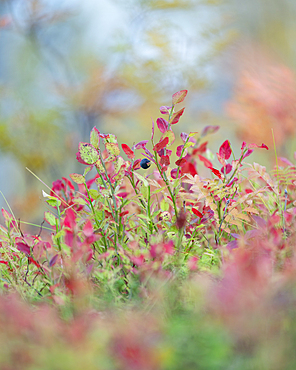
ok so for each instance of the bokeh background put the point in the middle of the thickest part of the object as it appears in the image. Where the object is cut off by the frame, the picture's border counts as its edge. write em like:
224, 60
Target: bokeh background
66, 66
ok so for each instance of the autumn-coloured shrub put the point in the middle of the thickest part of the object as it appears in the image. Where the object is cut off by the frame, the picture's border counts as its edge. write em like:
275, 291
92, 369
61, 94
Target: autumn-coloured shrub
142, 263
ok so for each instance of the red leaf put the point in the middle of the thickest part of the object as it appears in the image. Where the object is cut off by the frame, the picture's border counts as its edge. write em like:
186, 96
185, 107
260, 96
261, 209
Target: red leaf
165, 160
205, 161
179, 96
226, 169
201, 149
30, 259
161, 144
175, 118
162, 124
216, 172
127, 150
225, 150
250, 146
23, 247
180, 162
188, 168
197, 213
136, 165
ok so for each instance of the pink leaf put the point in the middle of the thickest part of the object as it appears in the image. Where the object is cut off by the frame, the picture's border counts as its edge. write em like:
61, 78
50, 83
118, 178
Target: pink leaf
209, 130
232, 181
225, 150
53, 260
152, 132
192, 263
174, 173
124, 194
162, 124
184, 136
127, 150
165, 109
169, 247
179, 150
221, 160
285, 160
88, 228
141, 145
248, 152
179, 96
70, 219
23, 247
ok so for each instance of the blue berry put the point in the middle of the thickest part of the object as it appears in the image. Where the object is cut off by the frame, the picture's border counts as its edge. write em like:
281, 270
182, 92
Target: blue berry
145, 163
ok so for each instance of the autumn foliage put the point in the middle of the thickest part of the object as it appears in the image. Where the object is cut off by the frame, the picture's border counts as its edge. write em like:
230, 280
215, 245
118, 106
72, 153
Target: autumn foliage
155, 267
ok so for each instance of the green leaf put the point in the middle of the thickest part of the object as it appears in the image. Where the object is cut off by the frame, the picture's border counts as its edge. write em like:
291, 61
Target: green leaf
164, 205
143, 217
86, 171
95, 137
50, 218
52, 201
192, 134
159, 190
140, 177
99, 166
144, 191
95, 194
110, 138
88, 153
156, 213
188, 144
132, 224
77, 178
112, 148
80, 201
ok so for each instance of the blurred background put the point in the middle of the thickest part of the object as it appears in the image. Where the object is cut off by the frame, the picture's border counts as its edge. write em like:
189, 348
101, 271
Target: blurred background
66, 66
